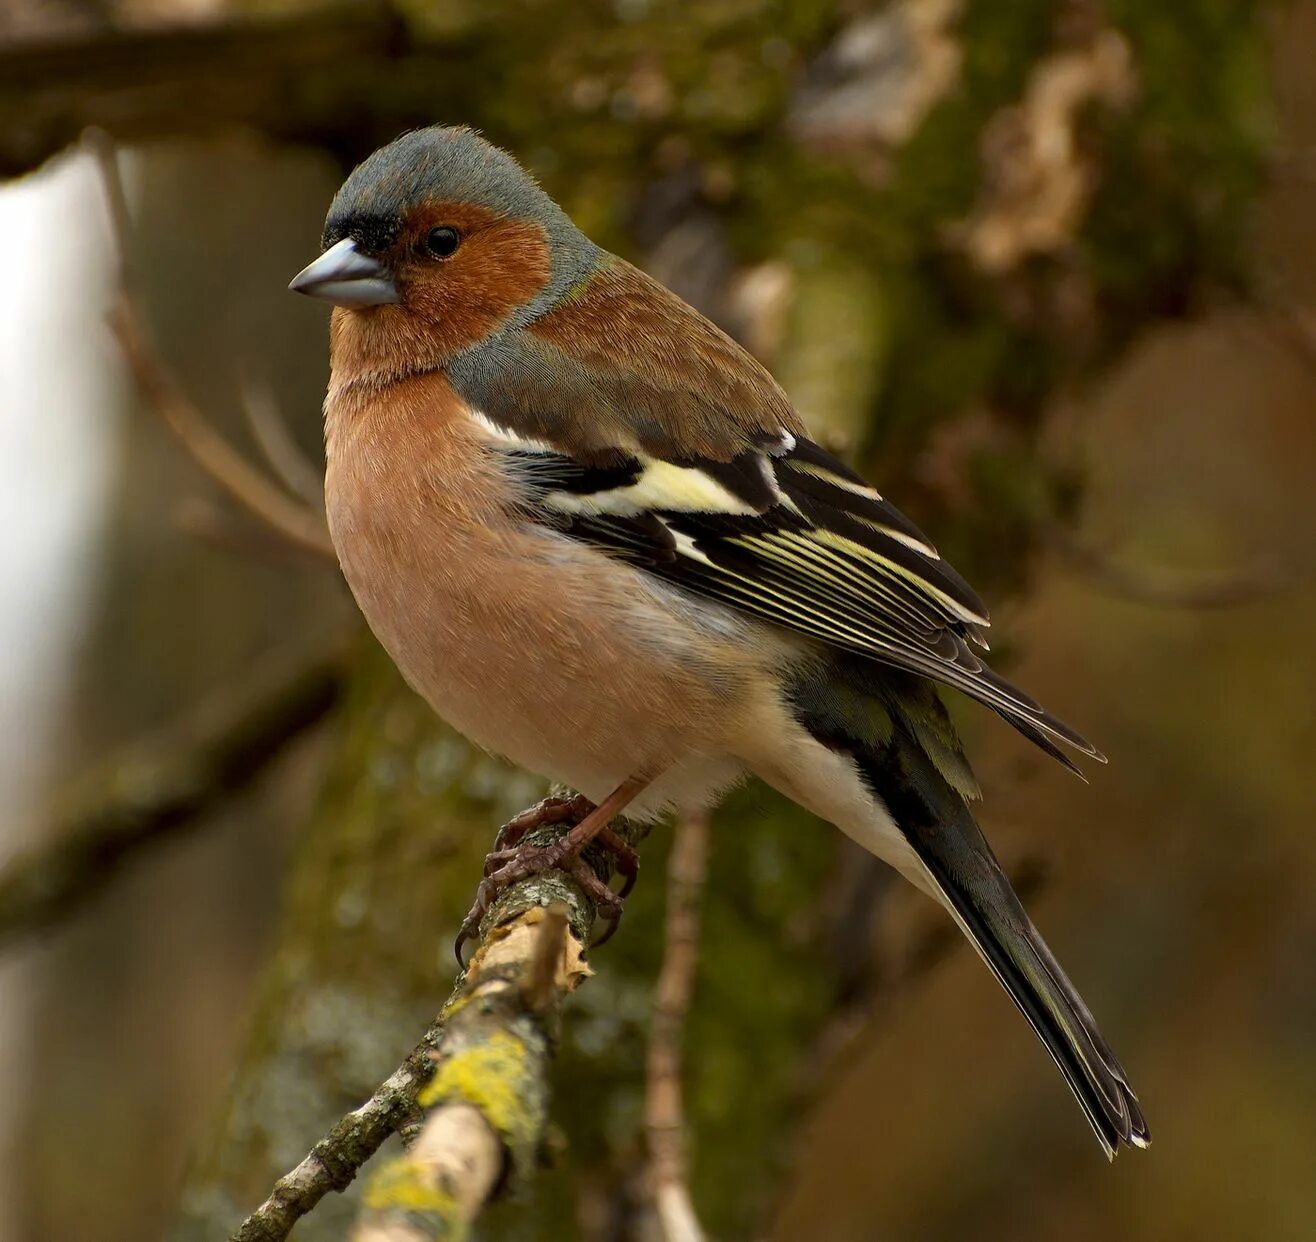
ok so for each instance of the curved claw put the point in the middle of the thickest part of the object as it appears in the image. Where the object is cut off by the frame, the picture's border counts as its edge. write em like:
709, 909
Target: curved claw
609, 931
625, 861
471, 923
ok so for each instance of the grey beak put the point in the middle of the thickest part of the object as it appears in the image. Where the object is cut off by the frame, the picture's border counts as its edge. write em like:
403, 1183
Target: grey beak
346, 277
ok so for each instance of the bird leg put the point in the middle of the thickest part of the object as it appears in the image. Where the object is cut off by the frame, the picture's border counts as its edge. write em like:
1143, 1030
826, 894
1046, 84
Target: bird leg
513, 860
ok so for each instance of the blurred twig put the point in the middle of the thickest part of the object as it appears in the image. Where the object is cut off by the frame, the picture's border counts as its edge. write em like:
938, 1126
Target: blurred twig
914, 945
1151, 586
210, 522
488, 1054
295, 469
163, 786
301, 526
664, 1119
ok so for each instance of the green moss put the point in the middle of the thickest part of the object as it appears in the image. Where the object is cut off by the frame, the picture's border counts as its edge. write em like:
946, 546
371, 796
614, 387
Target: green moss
1169, 227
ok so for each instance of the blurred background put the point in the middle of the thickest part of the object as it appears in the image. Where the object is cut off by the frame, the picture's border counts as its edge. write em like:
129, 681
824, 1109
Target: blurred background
1046, 270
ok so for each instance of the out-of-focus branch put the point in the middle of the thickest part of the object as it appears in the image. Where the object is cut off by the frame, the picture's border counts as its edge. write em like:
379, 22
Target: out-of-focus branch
211, 522
163, 786
485, 1057
664, 1119
298, 473
301, 526
345, 75
167, 783
1159, 589
915, 944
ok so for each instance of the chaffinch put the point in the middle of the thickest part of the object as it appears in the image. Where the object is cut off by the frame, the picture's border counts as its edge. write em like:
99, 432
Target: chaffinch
594, 534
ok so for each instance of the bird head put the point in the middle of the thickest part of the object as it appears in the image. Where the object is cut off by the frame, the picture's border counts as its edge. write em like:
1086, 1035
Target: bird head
434, 244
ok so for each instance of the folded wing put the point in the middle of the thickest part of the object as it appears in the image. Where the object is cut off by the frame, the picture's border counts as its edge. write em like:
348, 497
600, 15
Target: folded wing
789, 534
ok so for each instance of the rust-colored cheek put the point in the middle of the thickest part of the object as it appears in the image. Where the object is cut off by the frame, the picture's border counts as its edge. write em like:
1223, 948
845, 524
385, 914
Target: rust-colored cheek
499, 267
447, 305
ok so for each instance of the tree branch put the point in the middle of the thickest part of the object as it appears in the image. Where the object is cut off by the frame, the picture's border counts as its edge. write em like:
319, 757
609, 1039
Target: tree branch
1264, 577
488, 1099
296, 471
296, 522
300, 526
333, 1162
342, 76
486, 1058
164, 785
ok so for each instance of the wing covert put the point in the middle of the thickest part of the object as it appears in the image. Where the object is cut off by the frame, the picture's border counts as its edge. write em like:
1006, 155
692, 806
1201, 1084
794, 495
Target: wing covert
789, 534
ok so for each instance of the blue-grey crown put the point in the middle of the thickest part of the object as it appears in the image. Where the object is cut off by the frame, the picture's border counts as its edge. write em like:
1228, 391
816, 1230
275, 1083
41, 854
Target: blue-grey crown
453, 162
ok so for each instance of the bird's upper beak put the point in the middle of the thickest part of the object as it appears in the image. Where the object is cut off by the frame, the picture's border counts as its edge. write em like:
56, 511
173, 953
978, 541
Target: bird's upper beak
346, 277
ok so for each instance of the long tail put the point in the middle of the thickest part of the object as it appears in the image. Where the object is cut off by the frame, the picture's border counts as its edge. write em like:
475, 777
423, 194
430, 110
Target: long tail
977, 893
896, 732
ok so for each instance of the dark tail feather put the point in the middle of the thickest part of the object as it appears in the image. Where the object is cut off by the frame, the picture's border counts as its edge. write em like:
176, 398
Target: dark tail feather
992, 917
896, 730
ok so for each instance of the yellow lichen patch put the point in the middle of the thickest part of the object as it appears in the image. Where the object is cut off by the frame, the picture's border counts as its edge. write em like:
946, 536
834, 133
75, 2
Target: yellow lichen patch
402, 1186
490, 1075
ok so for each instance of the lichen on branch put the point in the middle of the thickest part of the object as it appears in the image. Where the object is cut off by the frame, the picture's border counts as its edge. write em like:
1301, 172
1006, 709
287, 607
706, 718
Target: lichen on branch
487, 1103
479, 1076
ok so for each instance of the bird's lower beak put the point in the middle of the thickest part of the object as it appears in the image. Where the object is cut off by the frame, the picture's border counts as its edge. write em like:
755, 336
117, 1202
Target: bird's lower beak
346, 277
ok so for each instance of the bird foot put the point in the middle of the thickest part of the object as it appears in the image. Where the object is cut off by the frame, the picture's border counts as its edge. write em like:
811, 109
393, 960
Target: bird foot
512, 860
543, 814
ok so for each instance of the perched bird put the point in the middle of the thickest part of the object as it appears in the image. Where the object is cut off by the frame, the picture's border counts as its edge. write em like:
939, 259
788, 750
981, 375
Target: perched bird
594, 534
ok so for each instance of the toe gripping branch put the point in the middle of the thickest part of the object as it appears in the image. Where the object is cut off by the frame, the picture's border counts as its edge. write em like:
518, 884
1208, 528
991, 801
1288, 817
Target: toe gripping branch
589, 852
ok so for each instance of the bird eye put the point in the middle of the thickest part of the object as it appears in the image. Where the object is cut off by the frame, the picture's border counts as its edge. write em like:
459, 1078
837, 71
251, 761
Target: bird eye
441, 242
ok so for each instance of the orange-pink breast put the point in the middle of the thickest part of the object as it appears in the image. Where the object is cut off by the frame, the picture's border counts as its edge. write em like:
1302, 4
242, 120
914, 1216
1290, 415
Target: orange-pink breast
570, 663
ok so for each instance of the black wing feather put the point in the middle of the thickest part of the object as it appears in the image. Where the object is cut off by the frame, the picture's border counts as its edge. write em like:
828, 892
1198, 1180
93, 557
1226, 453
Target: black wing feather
801, 541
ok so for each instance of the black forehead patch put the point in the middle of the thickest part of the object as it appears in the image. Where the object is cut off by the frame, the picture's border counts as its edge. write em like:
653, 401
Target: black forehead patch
374, 233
